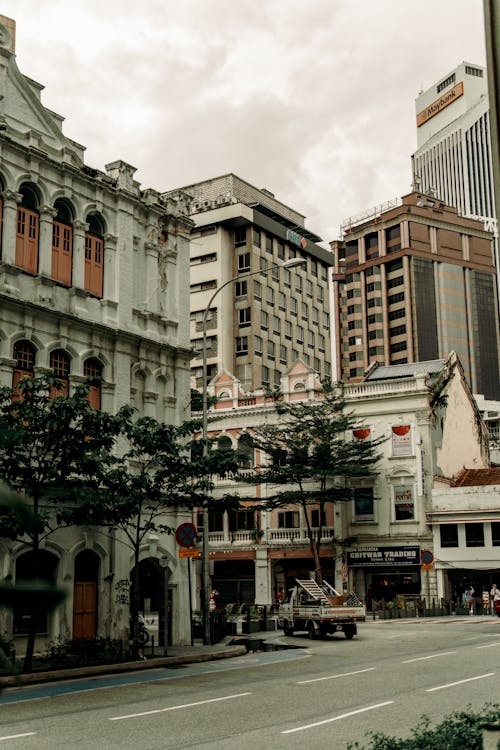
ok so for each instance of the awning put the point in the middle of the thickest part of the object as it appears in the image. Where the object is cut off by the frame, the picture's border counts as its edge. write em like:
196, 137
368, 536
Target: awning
467, 565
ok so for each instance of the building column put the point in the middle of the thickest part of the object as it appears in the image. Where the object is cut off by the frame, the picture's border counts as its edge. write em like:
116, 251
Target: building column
150, 302
9, 228
47, 214
6, 369
78, 269
262, 577
109, 271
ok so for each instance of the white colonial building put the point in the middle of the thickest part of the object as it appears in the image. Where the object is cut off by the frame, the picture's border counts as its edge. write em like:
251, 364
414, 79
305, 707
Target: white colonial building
432, 430
94, 280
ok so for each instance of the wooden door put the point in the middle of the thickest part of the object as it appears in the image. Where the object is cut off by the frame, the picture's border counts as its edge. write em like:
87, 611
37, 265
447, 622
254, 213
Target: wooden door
85, 610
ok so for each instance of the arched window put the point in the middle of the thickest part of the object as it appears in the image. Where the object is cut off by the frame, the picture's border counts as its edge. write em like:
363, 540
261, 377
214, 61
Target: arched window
245, 450
24, 354
92, 368
224, 443
94, 255
28, 223
62, 243
60, 364
28, 568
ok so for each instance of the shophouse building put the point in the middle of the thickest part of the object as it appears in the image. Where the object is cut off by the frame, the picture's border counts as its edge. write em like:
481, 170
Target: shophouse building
432, 429
94, 273
465, 520
256, 327
413, 280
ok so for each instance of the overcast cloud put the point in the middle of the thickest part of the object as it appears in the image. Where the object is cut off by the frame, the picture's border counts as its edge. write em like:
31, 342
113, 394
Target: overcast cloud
313, 99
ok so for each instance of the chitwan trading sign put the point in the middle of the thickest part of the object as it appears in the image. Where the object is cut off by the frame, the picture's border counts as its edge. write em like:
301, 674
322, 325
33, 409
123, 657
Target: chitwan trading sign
372, 557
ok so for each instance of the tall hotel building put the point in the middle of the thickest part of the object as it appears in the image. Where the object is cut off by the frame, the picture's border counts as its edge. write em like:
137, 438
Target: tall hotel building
259, 326
453, 160
413, 281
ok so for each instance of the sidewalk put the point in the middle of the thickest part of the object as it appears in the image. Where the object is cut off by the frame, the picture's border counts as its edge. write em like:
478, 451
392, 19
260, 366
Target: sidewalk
176, 655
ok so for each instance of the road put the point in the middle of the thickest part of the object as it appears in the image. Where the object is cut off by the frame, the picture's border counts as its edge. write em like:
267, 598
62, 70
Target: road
322, 694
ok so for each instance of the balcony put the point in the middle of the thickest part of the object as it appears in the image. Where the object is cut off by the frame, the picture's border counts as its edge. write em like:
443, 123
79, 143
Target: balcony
272, 537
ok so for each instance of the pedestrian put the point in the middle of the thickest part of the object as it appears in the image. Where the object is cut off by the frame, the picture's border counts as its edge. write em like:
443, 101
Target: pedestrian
469, 599
486, 601
212, 604
494, 597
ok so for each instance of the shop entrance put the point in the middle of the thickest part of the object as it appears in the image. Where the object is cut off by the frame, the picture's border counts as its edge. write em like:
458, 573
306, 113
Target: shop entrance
392, 586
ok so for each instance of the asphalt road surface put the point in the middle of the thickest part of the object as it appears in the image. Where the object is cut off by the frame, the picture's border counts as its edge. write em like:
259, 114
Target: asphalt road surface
322, 694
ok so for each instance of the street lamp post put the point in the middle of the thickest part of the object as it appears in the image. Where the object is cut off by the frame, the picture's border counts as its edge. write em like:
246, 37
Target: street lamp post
291, 263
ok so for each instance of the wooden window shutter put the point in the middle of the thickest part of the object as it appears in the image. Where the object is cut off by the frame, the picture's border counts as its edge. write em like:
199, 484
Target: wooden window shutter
94, 260
93, 369
27, 240
62, 252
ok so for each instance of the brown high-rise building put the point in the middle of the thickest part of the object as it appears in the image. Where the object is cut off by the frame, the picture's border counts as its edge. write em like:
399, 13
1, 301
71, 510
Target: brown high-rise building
413, 281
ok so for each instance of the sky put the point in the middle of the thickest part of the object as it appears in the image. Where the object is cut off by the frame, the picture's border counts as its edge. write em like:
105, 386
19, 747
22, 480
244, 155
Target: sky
311, 99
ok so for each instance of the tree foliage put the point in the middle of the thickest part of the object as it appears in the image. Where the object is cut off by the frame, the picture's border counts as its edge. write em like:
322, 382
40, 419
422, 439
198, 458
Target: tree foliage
311, 456
461, 730
52, 451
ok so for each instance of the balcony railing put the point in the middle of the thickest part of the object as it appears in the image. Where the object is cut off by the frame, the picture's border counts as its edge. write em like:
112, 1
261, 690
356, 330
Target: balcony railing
269, 536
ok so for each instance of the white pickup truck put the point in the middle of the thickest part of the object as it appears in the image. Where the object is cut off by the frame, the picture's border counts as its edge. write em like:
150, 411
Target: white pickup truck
319, 610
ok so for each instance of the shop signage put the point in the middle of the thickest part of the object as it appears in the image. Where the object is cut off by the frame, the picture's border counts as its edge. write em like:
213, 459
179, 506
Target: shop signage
295, 238
437, 106
383, 556
401, 440
189, 552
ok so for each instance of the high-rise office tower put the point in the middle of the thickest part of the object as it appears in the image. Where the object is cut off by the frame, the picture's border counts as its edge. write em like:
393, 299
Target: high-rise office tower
414, 281
259, 326
453, 160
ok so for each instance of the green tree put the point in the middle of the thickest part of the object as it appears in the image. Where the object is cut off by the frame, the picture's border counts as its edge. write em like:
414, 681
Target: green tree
52, 454
311, 458
155, 475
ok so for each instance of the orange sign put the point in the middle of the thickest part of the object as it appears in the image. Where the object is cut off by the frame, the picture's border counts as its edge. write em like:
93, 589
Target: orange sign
444, 101
189, 552
427, 566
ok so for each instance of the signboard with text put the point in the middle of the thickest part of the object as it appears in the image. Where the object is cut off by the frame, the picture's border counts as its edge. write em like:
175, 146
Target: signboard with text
383, 556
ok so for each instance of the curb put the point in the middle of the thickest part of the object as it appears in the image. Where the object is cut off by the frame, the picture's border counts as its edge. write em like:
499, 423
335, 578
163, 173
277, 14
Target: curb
131, 666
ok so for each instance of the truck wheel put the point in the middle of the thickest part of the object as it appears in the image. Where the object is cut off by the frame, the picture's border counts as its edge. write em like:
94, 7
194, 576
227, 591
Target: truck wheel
312, 631
350, 631
286, 628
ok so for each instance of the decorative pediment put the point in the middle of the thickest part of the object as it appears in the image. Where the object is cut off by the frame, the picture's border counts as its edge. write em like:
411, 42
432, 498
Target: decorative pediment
23, 117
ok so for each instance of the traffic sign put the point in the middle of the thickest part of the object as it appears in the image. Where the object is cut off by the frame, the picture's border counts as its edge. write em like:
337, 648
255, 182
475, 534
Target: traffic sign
189, 552
427, 557
427, 566
185, 534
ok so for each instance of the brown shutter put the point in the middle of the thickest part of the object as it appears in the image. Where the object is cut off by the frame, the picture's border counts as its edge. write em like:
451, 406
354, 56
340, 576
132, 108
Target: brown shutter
62, 246
27, 240
94, 258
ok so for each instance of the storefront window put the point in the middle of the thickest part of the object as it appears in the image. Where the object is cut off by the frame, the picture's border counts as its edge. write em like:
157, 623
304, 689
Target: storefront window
404, 503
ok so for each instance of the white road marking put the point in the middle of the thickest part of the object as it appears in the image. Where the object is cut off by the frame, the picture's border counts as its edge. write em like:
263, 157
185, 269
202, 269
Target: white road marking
334, 676
460, 682
432, 656
175, 708
489, 645
15, 736
337, 718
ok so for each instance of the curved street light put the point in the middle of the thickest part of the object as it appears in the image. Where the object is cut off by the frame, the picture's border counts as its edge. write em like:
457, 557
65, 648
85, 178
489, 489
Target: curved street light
291, 263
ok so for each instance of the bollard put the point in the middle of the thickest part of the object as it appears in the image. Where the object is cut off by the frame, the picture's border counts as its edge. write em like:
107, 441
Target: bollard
491, 736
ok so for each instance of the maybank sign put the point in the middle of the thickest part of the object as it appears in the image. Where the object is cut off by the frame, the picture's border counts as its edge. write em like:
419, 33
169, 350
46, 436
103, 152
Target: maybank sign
436, 107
